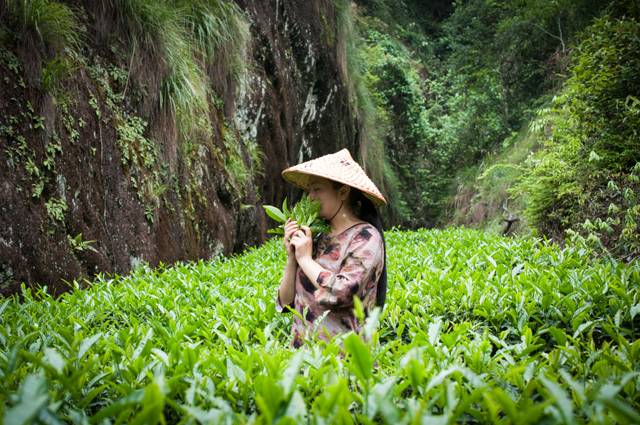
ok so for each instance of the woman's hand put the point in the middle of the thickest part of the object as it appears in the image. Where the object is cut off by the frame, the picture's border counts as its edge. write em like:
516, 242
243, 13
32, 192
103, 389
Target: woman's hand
303, 242
289, 229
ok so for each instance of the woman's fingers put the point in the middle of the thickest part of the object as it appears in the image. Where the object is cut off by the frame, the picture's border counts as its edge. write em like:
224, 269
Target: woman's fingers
297, 235
290, 228
290, 233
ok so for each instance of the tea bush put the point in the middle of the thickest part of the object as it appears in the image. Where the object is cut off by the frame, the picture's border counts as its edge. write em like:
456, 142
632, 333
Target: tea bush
477, 329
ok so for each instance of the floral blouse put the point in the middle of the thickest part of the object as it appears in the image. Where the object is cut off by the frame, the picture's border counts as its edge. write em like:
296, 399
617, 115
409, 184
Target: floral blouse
353, 260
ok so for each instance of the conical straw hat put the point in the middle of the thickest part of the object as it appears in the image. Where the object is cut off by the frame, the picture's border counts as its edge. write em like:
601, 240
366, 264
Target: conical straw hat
338, 166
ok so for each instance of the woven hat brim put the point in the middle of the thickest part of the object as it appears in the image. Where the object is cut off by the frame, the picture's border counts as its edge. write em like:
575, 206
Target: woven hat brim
302, 179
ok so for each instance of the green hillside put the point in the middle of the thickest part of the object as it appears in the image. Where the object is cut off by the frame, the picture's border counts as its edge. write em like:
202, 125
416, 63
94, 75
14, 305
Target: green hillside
477, 329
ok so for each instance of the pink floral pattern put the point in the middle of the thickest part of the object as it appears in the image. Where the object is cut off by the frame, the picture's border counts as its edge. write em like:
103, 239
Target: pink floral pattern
353, 260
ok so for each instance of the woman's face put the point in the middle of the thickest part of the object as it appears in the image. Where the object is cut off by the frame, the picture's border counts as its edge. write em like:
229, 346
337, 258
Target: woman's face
330, 198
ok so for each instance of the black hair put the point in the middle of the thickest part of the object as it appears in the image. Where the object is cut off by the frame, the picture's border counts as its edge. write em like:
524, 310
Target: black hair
364, 209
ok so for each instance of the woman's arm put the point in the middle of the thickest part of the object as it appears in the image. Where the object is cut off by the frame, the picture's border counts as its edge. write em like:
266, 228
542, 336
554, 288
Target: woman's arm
303, 242
287, 289
312, 269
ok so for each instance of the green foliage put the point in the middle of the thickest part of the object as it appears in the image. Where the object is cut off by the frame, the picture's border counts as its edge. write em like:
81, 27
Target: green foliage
392, 77
47, 33
160, 26
517, 47
585, 180
52, 24
24, 124
138, 153
54, 71
193, 40
220, 31
456, 88
187, 36
601, 93
372, 122
135, 149
477, 328
10, 61
79, 244
482, 197
304, 213
56, 209
439, 100
234, 163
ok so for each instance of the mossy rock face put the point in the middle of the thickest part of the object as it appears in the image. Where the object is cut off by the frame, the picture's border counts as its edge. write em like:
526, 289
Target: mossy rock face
103, 161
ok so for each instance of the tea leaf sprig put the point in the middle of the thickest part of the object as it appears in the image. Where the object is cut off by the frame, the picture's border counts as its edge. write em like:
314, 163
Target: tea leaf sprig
304, 213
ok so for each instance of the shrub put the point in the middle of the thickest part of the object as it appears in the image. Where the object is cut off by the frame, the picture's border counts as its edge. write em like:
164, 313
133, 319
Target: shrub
587, 171
476, 329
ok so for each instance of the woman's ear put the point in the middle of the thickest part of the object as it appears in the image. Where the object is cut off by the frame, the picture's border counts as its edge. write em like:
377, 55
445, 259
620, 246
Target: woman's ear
343, 192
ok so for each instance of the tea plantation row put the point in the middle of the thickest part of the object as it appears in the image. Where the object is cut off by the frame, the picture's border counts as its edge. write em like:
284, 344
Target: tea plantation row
477, 329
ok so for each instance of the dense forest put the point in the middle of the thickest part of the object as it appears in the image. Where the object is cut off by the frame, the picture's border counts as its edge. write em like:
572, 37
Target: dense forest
468, 92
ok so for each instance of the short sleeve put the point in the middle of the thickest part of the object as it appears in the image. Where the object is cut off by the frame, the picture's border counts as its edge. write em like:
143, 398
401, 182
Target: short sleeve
362, 262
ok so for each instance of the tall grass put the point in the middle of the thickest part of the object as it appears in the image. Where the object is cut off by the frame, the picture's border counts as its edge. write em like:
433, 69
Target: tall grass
52, 24
187, 36
159, 27
220, 32
46, 35
195, 46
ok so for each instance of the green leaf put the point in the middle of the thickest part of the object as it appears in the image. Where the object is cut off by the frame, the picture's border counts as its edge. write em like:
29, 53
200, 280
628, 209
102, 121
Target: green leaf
275, 213
142, 344
152, 405
33, 397
132, 399
434, 330
563, 402
211, 416
296, 408
358, 308
291, 372
361, 363
500, 398
622, 410
87, 343
54, 358
559, 335
3, 307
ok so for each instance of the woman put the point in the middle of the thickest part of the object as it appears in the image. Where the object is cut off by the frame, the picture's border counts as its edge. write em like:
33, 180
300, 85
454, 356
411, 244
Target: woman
321, 280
